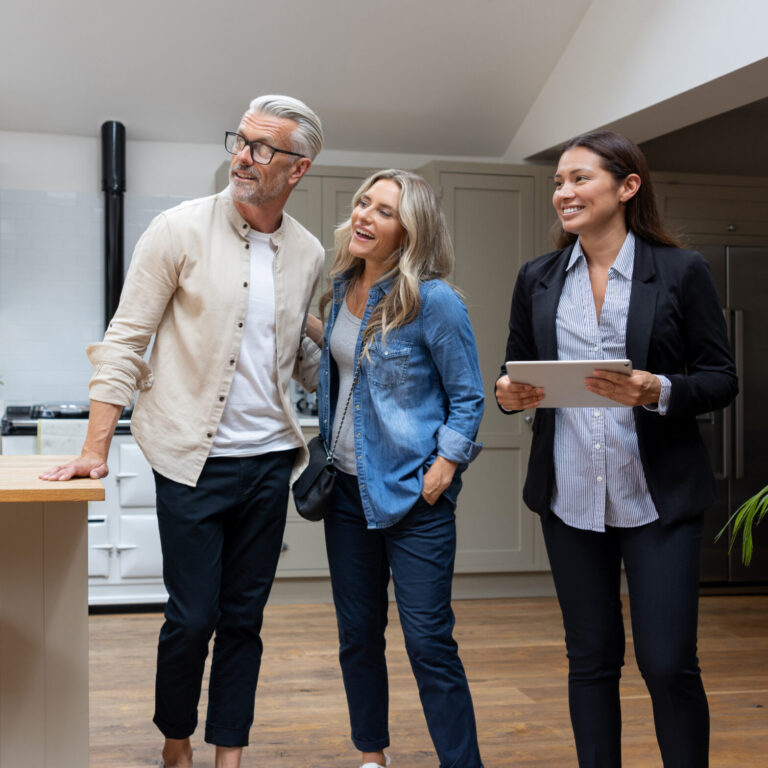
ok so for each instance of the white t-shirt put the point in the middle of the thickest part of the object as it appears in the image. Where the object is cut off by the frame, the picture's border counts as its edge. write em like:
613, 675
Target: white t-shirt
253, 421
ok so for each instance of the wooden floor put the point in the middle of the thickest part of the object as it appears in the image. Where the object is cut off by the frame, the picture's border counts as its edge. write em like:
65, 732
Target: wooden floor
514, 655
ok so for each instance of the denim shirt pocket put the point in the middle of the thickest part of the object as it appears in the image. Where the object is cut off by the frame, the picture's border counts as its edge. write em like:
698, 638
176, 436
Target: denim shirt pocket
388, 364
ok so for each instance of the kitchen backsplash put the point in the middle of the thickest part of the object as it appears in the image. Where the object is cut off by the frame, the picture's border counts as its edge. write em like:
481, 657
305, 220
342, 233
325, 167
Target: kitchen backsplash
52, 287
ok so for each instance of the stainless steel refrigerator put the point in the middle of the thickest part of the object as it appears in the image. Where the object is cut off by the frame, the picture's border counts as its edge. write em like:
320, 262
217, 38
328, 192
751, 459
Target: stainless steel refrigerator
737, 437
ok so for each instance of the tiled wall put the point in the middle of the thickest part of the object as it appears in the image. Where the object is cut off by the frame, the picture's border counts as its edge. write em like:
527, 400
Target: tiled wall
52, 287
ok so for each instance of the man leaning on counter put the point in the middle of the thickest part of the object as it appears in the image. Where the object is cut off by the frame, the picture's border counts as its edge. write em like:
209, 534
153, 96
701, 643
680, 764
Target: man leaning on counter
223, 283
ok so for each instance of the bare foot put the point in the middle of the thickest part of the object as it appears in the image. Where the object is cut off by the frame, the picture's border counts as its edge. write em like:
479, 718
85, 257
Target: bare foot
228, 757
177, 753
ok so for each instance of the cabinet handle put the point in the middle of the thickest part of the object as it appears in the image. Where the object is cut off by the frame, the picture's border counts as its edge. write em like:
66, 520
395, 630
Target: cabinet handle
120, 475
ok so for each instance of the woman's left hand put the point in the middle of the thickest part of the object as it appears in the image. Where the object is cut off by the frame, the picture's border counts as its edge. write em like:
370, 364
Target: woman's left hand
437, 478
639, 388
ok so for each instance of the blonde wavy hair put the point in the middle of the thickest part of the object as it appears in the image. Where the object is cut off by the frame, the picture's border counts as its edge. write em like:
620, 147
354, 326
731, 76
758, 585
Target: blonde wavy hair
425, 253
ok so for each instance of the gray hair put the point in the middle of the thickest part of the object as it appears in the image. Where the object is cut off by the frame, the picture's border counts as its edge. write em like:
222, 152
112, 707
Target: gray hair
307, 139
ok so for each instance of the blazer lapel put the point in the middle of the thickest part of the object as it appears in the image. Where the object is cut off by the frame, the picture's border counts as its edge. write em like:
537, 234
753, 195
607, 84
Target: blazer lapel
642, 305
544, 301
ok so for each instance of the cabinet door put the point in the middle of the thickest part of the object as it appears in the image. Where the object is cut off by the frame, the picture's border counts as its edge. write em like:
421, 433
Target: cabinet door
715, 213
337, 205
305, 204
491, 218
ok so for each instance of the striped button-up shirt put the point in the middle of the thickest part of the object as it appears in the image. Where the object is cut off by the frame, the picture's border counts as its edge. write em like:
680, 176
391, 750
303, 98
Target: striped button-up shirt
599, 478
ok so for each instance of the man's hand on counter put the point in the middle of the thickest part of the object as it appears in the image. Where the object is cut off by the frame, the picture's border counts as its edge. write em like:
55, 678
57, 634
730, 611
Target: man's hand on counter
86, 465
92, 462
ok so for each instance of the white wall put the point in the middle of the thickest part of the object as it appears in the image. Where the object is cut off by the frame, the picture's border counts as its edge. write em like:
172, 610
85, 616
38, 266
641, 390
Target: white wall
51, 249
51, 244
648, 68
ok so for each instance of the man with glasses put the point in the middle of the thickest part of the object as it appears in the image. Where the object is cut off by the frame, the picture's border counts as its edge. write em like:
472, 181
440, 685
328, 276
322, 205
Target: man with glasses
223, 283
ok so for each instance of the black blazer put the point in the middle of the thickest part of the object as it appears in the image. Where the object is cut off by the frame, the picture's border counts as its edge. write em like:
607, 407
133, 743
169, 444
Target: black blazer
675, 327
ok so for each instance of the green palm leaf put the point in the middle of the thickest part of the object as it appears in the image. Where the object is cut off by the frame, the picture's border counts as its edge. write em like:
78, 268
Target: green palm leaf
749, 514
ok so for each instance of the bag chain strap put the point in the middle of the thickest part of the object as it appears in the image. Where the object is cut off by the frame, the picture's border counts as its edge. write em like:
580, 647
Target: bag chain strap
346, 407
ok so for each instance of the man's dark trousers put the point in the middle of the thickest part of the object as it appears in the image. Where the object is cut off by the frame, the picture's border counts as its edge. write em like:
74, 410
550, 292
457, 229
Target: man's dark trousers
221, 542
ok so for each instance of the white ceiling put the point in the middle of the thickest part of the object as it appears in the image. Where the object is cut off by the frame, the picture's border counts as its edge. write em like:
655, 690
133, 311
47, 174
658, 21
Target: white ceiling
440, 77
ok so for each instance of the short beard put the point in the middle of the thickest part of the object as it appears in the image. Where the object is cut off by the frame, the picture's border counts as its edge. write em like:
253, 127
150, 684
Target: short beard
259, 193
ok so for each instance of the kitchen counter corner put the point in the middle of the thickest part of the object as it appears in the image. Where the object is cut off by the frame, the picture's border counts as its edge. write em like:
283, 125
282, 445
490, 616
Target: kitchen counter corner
19, 481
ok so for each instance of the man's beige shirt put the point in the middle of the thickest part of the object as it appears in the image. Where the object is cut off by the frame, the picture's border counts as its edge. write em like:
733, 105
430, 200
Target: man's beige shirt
188, 285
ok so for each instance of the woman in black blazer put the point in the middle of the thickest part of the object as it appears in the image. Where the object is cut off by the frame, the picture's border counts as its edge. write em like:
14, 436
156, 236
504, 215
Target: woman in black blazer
627, 485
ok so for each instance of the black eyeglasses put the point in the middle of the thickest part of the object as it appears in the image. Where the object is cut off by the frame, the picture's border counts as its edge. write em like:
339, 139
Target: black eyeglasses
260, 152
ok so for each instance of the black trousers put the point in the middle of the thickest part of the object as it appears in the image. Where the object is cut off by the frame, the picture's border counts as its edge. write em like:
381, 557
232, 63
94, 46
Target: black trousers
662, 569
221, 542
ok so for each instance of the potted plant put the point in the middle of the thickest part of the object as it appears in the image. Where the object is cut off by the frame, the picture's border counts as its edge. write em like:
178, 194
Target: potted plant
749, 514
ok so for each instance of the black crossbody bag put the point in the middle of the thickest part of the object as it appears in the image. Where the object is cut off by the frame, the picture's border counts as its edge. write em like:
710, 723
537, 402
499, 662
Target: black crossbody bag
313, 488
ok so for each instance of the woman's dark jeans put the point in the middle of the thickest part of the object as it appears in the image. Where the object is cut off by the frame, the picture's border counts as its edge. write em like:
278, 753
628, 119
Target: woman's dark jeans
420, 551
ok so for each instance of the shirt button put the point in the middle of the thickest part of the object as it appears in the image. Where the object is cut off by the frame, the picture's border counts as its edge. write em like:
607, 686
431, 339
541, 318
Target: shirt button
239, 325
245, 285
247, 246
358, 435
362, 485
597, 349
596, 414
359, 458
231, 362
221, 398
209, 434
599, 478
357, 407
245, 226
597, 445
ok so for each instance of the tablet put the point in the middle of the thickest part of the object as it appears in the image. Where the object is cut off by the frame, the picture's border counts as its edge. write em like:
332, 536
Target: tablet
563, 380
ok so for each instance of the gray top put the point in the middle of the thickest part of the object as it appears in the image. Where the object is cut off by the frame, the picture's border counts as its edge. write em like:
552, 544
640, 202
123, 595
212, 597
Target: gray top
344, 335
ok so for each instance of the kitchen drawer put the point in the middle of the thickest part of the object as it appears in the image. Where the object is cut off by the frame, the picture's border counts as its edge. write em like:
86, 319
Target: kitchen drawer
99, 549
304, 554
714, 209
139, 547
135, 480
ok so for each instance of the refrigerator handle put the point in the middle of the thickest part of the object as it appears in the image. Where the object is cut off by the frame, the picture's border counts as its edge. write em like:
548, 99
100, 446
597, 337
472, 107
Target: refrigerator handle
738, 407
727, 420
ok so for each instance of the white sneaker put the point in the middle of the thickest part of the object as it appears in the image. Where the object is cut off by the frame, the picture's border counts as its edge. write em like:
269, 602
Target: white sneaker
377, 765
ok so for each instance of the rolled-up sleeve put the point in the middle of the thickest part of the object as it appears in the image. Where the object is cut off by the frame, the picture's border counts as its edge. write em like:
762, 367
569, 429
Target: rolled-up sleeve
451, 343
118, 360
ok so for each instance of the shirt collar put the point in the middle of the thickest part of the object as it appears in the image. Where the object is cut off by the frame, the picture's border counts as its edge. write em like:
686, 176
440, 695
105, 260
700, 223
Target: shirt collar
625, 259
241, 225
385, 286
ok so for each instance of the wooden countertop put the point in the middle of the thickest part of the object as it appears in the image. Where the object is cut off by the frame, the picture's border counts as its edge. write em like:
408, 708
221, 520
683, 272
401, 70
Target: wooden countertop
19, 481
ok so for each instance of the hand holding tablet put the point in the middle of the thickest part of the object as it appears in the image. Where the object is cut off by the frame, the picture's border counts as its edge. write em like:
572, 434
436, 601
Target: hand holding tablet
563, 381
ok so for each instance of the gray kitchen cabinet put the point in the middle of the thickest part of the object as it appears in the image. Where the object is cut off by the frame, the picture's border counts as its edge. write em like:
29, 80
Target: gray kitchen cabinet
713, 210
492, 214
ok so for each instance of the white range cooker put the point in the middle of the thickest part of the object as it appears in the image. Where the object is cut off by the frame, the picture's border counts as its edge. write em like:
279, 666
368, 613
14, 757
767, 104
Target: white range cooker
125, 563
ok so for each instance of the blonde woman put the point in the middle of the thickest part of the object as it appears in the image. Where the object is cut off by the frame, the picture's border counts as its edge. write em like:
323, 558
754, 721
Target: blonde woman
409, 431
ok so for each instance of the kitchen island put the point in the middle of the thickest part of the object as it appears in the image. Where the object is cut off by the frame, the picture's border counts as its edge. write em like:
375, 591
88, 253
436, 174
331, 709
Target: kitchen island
43, 615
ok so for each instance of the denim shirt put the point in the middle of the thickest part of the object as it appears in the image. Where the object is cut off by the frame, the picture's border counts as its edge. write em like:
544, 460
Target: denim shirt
418, 396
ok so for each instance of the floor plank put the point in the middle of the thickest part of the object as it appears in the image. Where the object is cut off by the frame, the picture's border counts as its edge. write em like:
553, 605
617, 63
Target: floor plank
515, 659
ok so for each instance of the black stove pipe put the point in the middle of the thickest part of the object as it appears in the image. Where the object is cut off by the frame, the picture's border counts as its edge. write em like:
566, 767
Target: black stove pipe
113, 184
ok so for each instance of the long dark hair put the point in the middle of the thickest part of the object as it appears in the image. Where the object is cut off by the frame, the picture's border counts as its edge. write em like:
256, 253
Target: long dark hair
620, 157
